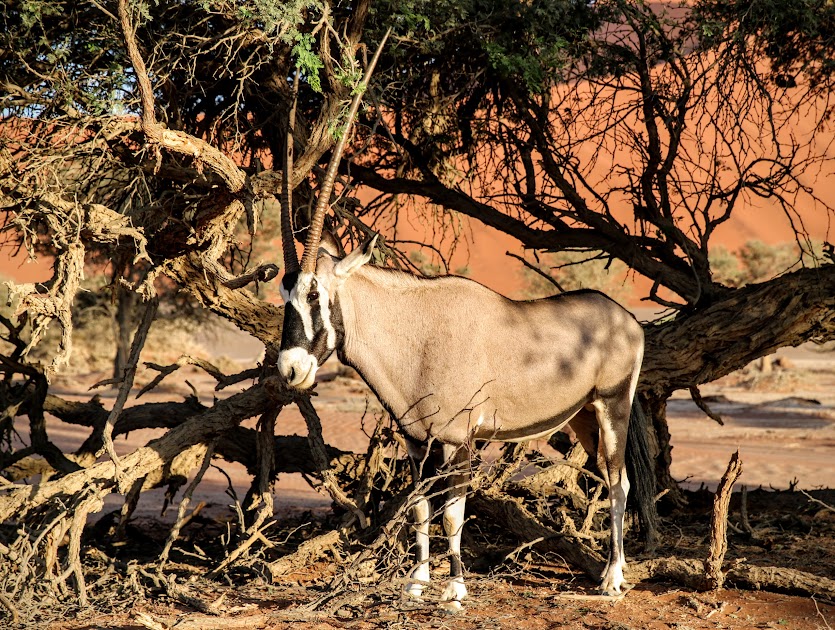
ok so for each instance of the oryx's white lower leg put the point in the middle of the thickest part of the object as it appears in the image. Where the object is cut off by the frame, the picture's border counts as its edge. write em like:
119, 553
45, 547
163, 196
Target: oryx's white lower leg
458, 480
419, 577
613, 421
421, 516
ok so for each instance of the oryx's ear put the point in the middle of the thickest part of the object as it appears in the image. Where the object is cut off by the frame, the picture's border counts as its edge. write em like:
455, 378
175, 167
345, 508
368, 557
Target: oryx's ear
331, 245
355, 259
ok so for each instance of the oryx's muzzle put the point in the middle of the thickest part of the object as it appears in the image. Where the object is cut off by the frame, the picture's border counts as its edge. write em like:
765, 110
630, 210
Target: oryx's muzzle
298, 366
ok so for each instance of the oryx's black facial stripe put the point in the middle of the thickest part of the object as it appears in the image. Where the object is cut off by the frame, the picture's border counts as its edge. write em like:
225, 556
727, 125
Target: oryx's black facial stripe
320, 347
289, 280
310, 323
292, 334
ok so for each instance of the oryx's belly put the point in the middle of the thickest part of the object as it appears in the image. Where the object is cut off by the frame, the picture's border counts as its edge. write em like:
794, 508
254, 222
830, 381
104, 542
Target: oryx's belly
494, 414
518, 425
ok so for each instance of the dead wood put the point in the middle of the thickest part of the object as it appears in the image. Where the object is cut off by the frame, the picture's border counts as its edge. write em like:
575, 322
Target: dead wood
158, 453
812, 499
237, 444
719, 523
701, 403
319, 454
561, 477
495, 506
262, 498
222, 379
782, 580
182, 520
308, 552
690, 573
8, 605
127, 383
686, 572
242, 308
202, 622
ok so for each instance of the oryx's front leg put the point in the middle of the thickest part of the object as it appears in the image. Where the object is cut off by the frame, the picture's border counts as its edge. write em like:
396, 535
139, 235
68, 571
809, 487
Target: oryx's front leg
421, 515
457, 484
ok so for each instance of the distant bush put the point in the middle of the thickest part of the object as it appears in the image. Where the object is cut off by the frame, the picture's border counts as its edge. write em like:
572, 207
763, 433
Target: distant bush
175, 332
431, 269
757, 261
578, 270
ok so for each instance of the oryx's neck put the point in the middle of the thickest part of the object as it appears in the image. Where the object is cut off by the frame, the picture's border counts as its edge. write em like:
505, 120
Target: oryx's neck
385, 325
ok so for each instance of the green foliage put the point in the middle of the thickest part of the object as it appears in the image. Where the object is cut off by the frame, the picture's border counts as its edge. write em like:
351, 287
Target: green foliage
797, 36
281, 17
471, 48
32, 12
308, 61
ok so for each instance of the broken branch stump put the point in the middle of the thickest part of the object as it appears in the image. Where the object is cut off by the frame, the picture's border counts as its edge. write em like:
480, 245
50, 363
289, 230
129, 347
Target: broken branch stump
719, 524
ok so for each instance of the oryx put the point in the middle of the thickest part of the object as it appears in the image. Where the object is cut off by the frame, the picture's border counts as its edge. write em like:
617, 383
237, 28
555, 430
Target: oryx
454, 362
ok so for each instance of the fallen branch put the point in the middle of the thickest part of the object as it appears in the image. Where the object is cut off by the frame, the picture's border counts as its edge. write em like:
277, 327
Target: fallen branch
308, 552
200, 428
812, 499
690, 573
495, 506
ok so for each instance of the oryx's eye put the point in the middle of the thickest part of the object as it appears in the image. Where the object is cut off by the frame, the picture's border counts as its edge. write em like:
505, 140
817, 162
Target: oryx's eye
313, 296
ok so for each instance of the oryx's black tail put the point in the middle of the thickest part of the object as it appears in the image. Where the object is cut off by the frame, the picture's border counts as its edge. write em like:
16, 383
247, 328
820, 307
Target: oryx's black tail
641, 471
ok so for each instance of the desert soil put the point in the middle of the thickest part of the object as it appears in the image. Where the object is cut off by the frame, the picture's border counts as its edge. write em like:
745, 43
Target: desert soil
783, 424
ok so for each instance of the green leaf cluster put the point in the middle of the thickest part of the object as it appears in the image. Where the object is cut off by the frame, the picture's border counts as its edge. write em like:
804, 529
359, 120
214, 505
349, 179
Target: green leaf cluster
797, 36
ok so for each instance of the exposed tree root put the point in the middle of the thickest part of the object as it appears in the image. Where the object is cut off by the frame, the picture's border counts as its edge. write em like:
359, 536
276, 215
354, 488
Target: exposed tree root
691, 574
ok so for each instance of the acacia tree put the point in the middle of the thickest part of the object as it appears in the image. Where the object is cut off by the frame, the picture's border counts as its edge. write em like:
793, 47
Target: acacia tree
151, 133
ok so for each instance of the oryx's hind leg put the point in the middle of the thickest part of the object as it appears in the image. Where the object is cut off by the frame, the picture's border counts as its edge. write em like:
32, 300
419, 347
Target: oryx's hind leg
457, 469
612, 412
421, 515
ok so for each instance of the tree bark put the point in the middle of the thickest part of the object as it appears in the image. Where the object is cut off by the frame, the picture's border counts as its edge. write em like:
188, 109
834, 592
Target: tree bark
742, 326
123, 327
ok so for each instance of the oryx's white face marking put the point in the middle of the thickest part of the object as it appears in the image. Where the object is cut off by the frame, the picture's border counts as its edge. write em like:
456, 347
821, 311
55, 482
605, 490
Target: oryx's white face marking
312, 318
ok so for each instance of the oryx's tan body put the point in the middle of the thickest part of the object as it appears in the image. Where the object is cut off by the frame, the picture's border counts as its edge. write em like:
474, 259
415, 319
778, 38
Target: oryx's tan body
454, 360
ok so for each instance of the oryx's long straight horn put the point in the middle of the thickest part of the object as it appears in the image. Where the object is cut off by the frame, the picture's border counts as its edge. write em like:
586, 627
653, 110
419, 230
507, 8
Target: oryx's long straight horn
291, 259
314, 233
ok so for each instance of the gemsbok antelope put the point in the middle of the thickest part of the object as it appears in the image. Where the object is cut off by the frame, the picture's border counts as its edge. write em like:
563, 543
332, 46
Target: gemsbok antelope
454, 362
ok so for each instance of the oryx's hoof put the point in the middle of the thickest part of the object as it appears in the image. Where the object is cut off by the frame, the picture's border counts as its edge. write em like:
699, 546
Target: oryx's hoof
454, 593
418, 580
451, 607
613, 580
414, 590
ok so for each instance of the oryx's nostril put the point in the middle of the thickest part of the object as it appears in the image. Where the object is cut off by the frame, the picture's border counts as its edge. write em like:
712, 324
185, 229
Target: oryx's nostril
292, 374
